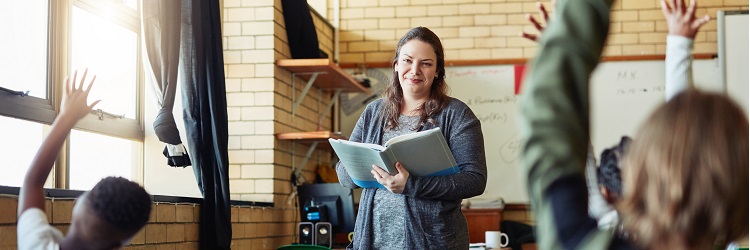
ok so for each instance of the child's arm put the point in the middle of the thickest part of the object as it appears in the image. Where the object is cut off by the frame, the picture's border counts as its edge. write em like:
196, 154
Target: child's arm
555, 123
73, 108
683, 26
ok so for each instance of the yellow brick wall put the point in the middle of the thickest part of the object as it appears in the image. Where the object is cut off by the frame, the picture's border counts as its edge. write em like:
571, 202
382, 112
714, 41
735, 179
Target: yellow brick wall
170, 226
488, 29
248, 35
260, 97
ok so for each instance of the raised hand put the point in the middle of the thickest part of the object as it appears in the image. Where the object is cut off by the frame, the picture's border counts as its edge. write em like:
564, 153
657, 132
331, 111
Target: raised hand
394, 183
681, 20
74, 104
537, 25
73, 108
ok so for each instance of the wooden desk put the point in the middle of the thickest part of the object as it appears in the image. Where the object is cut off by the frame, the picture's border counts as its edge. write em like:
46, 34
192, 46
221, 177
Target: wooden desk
482, 220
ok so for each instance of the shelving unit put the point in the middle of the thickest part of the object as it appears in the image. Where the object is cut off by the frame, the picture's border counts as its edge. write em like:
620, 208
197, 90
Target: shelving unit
310, 137
327, 76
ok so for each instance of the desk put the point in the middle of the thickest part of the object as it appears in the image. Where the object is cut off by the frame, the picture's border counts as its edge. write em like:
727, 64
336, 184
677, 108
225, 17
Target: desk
482, 220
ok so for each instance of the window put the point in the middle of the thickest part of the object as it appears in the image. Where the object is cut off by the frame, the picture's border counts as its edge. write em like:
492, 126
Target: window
50, 40
16, 158
110, 51
94, 156
27, 46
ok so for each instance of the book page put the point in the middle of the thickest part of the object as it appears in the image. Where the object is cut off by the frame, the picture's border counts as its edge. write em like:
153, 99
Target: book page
411, 136
359, 144
426, 154
358, 158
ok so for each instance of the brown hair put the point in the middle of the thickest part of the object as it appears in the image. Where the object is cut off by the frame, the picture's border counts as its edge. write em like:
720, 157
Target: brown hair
686, 174
394, 95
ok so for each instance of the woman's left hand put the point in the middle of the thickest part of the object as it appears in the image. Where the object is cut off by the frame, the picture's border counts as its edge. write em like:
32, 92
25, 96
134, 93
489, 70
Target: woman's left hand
394, 183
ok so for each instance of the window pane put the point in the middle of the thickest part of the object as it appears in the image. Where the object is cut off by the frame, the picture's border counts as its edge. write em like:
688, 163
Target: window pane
20, 141
94, 156
110, 52
23, 47
133, 4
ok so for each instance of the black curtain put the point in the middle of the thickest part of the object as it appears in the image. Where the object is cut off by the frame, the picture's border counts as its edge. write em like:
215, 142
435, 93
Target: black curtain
300, 30
161, 29
205, 115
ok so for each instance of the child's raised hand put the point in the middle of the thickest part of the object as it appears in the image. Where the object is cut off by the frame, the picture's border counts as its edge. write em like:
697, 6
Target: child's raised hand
74, 102
681, 20
542, 13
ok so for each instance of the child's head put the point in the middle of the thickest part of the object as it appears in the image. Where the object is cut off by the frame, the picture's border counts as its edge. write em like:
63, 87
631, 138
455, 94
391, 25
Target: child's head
608, 172
111, 213
686, 174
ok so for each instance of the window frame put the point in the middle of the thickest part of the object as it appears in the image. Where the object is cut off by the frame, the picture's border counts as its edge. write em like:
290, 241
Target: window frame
59, 45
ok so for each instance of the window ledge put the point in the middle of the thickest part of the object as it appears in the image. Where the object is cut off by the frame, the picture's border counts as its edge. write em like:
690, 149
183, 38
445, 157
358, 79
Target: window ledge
71, 194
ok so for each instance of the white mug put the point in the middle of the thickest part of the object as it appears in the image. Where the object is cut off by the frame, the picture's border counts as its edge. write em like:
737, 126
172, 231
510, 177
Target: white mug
494, 239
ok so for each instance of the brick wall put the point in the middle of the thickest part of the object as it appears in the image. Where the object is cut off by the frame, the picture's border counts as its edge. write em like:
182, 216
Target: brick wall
248, 29
488, 29
171, 226
260, 97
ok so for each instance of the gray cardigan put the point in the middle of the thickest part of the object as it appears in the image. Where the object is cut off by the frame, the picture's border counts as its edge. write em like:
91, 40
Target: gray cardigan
432, 210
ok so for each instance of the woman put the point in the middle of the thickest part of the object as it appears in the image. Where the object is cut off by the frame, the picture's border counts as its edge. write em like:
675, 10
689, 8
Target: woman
418, 212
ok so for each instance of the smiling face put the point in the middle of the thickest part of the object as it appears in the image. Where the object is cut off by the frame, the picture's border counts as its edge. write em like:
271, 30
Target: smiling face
416, 68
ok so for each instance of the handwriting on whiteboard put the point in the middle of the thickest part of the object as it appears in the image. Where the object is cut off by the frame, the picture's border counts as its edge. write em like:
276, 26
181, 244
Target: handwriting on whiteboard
636, 90
493, 117
626, 75
473, 73
478, 100
510, 150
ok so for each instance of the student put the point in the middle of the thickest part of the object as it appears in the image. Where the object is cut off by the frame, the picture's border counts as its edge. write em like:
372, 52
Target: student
106, 217
685, 175
418, 212
598, 208
609, 178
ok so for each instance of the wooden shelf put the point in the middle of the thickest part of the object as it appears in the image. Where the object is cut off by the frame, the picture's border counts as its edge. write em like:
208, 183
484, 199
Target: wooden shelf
330, 76
324, 75
308, 137
319, 138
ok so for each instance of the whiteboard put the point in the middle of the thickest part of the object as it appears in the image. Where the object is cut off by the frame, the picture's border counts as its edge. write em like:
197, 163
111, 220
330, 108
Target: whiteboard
733, 54
622, 95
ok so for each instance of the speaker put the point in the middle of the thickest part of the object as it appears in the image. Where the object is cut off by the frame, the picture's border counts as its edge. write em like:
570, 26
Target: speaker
305, 232
323, 234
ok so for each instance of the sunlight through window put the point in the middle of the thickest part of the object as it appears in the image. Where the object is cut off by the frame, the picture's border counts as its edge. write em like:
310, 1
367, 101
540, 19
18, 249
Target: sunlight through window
24, 49
26, 137
110, 52
94, 156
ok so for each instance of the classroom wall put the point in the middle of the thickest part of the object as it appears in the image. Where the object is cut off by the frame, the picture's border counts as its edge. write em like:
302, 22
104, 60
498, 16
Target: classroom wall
259, 99
170, 226
488, 29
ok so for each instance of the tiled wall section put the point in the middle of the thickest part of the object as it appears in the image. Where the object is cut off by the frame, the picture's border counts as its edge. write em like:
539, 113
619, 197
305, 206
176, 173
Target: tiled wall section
171, 226
488, 29
260, 97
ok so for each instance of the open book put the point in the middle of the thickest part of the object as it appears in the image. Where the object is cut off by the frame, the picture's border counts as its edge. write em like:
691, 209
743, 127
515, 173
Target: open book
423, 153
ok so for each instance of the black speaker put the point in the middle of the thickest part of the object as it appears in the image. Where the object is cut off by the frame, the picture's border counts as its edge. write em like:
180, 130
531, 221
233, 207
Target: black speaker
305, 231
323, 234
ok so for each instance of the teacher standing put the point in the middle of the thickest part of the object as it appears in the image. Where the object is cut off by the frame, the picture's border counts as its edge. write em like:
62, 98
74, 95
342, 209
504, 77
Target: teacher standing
418, 212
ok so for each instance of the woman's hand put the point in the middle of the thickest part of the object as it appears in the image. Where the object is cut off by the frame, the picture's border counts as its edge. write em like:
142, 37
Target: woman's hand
394, 183
682, 21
